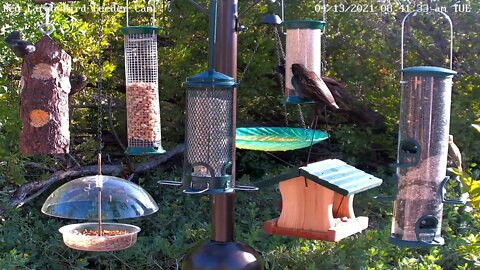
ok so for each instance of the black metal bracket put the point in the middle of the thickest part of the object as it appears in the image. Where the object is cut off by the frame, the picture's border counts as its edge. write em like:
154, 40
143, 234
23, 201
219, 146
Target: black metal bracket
199, 7
459, 201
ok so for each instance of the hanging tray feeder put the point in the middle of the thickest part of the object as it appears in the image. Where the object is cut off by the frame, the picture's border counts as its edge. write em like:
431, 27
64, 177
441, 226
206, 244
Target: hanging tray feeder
84, 236
277, 138
95, 198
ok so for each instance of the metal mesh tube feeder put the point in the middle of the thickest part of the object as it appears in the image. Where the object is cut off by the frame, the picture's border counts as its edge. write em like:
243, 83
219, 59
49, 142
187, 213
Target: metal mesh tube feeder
141, 73
209, 133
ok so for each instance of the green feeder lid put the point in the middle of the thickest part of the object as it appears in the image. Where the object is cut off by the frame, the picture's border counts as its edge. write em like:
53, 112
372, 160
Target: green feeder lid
304, 24
210, 78
428, 71
140, 30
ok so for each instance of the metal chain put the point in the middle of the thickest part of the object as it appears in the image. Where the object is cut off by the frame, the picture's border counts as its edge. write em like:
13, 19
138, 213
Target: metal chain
281, 61
279, 45
324, 63
100, 83
302, 119
249, 61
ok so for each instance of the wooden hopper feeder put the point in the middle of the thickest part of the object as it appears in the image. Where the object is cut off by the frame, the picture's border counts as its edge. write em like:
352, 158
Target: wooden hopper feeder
318, 201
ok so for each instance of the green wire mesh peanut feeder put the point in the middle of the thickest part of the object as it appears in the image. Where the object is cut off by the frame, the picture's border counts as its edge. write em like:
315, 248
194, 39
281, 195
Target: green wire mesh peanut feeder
209, 133
141, 72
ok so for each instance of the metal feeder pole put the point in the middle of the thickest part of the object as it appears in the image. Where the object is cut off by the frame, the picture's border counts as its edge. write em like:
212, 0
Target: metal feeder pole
222, 252
223, 205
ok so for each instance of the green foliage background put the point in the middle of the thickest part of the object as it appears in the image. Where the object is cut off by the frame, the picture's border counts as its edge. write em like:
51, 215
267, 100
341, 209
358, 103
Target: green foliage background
361, 50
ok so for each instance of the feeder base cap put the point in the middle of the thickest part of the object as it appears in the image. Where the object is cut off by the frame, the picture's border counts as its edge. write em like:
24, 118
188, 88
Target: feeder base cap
138, 151
439, 241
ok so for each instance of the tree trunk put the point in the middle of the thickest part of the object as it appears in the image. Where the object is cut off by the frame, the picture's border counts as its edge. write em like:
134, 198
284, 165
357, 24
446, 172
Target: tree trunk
44, 100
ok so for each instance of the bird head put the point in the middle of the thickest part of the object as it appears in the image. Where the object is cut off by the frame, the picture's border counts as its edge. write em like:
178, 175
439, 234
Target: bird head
297, 69
12, 37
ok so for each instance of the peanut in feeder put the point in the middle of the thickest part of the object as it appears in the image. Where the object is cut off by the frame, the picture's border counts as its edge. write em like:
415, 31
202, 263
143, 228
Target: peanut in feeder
141, 72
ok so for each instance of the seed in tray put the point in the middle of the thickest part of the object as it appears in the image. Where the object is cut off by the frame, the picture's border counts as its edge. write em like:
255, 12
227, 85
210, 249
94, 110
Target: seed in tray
105, 232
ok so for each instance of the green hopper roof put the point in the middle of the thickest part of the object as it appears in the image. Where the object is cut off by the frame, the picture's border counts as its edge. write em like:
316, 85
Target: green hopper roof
333, 174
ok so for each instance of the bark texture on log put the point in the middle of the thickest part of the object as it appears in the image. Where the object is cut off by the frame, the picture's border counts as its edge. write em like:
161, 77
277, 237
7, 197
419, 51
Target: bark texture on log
44, 100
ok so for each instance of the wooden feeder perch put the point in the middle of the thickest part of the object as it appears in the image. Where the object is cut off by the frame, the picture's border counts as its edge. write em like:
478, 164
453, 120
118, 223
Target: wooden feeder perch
44, 99
318, 201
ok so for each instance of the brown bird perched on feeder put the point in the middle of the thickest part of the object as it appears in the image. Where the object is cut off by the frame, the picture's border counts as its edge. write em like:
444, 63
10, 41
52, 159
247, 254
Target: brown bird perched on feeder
308, 85
332, 94
454, 155
20, 47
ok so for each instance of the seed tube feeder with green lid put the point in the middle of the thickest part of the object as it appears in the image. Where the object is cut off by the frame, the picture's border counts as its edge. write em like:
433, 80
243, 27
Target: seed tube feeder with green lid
141, 73
422, 154
303, 46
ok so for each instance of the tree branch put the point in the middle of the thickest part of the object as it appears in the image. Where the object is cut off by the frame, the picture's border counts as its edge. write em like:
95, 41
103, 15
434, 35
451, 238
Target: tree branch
22, 194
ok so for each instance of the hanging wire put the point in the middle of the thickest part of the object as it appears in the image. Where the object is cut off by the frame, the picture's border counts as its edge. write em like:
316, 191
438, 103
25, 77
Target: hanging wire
154, 6
281, 62
249, 62
154, 20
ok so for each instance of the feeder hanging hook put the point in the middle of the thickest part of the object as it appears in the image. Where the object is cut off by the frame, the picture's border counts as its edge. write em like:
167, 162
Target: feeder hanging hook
47, 28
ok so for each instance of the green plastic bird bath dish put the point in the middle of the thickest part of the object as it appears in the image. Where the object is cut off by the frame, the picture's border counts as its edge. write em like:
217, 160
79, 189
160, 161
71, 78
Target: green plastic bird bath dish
277, 138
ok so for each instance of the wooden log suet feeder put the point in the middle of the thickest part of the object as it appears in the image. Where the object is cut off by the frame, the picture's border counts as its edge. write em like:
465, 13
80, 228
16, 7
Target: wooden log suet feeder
44, 99
317, 201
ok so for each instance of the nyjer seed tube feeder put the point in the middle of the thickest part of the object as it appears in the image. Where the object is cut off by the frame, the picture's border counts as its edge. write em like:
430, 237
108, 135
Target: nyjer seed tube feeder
141, 73
422, 154
303, 46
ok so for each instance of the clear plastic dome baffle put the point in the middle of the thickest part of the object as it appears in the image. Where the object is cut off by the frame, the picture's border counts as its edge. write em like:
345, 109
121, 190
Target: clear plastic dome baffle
120, 199
303, 47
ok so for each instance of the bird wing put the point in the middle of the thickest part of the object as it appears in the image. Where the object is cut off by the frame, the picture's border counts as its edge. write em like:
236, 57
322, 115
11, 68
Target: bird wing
321, 89
297, 88
331, 82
